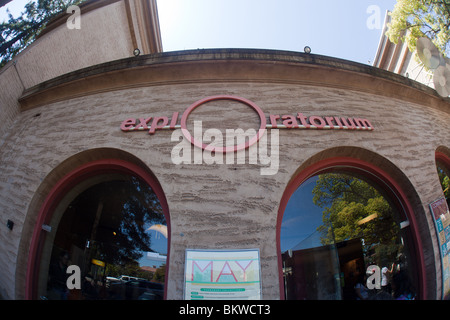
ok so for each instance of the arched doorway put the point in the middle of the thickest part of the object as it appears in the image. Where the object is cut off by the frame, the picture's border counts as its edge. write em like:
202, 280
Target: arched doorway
109, 217
325, 244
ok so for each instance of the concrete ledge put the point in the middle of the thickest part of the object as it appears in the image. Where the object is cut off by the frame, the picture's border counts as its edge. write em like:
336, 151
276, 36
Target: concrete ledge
230, 65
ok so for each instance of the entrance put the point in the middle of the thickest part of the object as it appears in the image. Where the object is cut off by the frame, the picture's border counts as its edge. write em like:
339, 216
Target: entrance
107, 220
337, 225
116, 233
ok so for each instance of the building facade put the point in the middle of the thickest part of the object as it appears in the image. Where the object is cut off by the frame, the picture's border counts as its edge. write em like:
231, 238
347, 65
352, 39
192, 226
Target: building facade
151, 131
399, 59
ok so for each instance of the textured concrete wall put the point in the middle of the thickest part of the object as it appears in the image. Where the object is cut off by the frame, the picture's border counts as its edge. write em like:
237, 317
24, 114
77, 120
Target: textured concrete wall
212, 206
11, 89
103, 36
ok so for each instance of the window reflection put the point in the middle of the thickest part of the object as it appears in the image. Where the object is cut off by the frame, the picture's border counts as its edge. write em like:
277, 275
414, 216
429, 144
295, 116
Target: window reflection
444, 179
116, 232
334, 227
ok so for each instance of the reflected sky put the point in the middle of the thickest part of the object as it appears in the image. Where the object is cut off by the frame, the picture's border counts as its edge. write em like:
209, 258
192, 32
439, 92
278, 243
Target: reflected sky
301, 219
159, 246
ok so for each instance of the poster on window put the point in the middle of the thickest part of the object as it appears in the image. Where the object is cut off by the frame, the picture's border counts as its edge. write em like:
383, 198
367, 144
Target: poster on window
441, 216
222, 274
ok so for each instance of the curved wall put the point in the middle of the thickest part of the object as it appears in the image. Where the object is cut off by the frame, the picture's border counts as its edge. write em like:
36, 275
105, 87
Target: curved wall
230, 205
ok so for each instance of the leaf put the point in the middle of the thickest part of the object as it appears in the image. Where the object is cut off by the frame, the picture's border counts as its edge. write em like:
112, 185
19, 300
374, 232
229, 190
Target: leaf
412, 19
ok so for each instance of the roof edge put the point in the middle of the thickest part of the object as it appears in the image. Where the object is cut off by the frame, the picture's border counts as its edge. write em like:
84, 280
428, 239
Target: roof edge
271, 65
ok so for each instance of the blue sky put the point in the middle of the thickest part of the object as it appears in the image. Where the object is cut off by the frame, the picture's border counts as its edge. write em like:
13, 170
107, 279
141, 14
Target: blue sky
301, 218
330, 27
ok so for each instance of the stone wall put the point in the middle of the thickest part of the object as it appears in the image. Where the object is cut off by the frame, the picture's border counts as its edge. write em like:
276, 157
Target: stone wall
219, 205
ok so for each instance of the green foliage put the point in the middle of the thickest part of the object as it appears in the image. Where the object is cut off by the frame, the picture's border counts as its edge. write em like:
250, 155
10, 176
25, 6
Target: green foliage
347, 201
444, 179
18, 33
429, 18
445, 186
160, 274
120, 236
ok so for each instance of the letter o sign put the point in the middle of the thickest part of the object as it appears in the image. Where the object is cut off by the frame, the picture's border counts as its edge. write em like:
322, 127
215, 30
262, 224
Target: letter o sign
226, 149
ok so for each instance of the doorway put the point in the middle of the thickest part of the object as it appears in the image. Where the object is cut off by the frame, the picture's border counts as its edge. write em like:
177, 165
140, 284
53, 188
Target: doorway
337, 224
109, 219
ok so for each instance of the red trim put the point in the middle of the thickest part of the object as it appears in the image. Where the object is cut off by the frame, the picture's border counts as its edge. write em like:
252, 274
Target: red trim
362, 167
65, 185
443, 158
234, 148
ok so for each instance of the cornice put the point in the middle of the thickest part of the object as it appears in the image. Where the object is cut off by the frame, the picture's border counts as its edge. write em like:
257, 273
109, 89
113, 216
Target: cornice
231, 65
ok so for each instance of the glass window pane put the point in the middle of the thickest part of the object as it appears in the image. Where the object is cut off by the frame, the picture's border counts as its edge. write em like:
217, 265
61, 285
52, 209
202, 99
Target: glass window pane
334, 227
116, 232
444, 179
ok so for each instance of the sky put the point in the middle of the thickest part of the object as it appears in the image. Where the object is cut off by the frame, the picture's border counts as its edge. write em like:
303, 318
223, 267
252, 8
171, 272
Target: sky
346, 29
301, 219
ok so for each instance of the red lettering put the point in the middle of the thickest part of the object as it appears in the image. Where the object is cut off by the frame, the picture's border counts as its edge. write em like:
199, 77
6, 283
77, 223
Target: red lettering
243, 269
329, 121
363, 123
313, 122
142, 124
346, 123
303, 120
338, 122
273, 120
194, 263
174, 120
157, 125
228, 272
289, 121
128, 125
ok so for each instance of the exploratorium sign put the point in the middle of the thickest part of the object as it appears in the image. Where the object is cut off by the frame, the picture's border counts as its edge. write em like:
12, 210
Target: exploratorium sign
213, 146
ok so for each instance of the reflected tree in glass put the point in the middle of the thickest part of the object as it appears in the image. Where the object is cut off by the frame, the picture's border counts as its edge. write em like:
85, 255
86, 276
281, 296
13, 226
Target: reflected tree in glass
355, 209
124, 212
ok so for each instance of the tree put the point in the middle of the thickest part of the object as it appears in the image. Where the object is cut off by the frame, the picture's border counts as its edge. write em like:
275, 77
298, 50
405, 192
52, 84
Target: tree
444, 179
118, 234
355, 209
18, 33
422, 18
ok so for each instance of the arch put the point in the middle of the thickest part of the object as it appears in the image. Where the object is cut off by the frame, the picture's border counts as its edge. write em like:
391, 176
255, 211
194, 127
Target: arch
443, 155
368, 164
442, 159
66, 176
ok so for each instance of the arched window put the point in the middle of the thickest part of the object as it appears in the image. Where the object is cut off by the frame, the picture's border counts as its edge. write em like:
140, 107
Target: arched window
108, 221
443, 169
337, 225
440, 215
